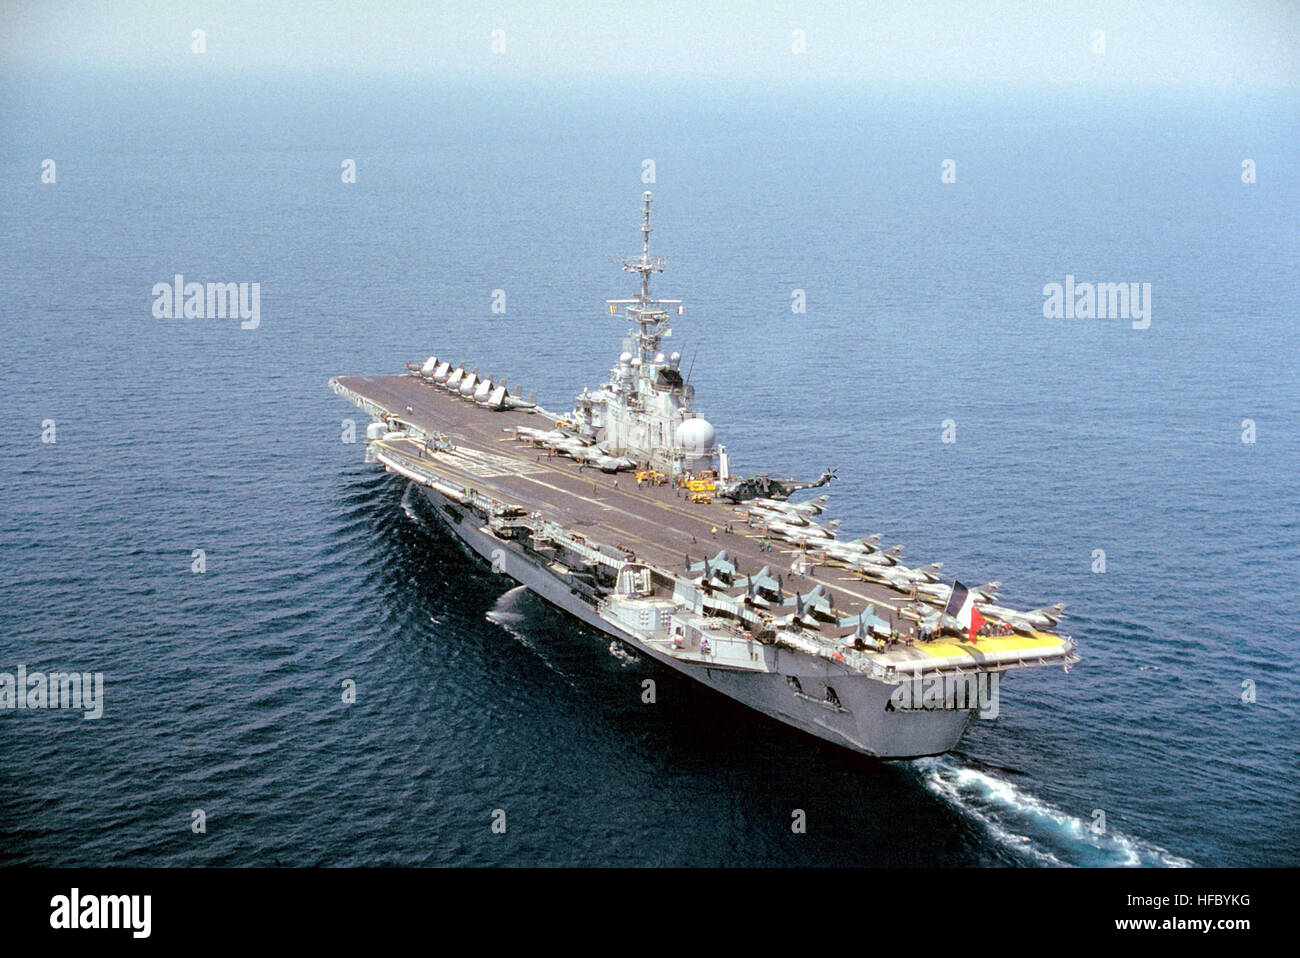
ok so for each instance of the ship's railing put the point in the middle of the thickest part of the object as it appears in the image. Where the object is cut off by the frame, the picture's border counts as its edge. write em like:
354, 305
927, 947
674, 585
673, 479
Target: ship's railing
412, 469
376, 411
561, 536
358, 400
706, 641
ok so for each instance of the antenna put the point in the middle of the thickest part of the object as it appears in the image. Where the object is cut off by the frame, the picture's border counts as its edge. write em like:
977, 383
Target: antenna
649, 314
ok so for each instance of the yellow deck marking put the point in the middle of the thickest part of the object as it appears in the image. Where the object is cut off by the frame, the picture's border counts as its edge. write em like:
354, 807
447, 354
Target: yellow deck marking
943, 648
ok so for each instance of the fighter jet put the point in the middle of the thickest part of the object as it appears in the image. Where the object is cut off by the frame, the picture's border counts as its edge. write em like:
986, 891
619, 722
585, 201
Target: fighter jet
932, 620
1033, 620
899, 577
802, 612
821, 604
424, 370
495, 399
573, 447
562, 442
798, 533
866, 624
595, 456
495, 395
773, 515
542, 436
792, 510
860, 549
576, 448
719, 572
762, 587
938, 592
515, 402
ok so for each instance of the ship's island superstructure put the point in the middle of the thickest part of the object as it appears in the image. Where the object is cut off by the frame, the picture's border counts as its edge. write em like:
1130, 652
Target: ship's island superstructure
624, 513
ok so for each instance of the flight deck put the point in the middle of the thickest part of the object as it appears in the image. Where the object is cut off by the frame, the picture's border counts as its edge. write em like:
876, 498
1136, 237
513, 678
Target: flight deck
656, 524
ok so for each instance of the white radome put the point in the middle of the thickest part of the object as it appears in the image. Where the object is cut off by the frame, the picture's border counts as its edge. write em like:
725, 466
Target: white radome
696, 436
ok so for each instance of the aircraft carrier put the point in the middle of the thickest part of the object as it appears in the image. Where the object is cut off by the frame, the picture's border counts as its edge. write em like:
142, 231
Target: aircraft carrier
624, 512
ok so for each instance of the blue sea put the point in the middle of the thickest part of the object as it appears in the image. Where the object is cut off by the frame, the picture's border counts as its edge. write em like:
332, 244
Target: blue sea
224, 688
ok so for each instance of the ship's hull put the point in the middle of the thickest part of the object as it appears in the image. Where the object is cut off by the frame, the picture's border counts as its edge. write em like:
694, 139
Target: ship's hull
859, 716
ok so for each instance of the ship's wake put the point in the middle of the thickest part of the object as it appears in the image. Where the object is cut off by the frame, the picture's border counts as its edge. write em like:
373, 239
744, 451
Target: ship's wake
1032, 828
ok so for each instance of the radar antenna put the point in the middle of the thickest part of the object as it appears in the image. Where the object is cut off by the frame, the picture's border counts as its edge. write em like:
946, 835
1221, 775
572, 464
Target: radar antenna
650, 315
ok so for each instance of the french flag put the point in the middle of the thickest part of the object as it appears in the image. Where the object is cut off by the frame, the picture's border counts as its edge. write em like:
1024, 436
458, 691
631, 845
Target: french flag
961, 606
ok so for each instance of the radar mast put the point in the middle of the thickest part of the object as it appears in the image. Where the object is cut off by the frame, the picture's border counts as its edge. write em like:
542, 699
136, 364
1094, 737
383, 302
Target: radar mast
650, 315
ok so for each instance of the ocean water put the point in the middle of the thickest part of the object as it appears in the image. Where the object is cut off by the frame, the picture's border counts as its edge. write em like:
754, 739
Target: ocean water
924, 304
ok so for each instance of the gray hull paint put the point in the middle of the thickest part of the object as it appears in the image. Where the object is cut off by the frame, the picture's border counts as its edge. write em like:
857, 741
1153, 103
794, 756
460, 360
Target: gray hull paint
861, 723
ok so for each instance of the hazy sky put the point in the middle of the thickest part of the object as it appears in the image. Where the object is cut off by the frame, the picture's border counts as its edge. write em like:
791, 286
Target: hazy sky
1016, 42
